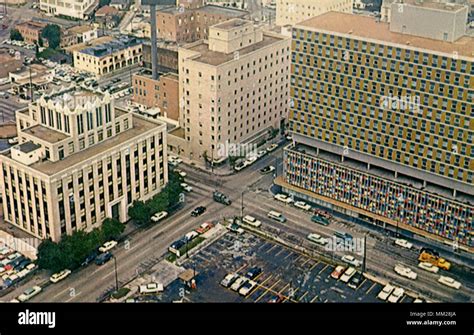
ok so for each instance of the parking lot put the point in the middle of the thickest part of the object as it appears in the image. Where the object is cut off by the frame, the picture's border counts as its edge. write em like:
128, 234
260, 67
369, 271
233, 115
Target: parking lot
287, 276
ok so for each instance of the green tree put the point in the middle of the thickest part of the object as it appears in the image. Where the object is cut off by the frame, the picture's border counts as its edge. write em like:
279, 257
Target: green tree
49, 256
139, 212
52, 33
40, 41
111, 229
15, 35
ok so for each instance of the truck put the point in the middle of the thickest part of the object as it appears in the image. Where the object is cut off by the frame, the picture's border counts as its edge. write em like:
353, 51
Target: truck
431, 256
221, 198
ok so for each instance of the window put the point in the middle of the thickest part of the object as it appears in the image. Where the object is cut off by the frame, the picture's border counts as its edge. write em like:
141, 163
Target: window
98, 116
80, 124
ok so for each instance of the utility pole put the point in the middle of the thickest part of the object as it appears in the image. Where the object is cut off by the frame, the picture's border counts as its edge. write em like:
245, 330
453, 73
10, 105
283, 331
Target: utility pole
365, 254
242, 206
116, 274
31, 84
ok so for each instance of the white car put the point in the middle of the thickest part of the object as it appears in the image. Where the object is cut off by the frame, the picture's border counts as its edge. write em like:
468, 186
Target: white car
238, 283
108, 246
261, 153
428, 267
405, 272
348, 274
13, 140
229, 279
272, 147
159, 216
186, 187
251, 159
448, 281
191, 235
151, 288
29, 293
250, 220
59, 276
351, 260
316, 238
283, 198
386, 291
396, 295
302, 205
181, 173
247, 288
403, 243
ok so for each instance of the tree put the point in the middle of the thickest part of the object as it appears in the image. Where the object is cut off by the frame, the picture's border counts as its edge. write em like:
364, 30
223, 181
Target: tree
40, 41
52, 33
50, 256
232, 161
111, 229
15, 35
139, 212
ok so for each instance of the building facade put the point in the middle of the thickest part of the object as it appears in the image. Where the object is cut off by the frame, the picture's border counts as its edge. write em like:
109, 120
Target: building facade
30, 31
232, 88
79, 160
162, 93
78, 34
109, 57
189, 24
382, 125
78, 9
290, 12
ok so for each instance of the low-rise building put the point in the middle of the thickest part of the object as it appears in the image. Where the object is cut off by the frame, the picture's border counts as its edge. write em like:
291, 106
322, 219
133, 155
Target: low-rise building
31, 31
78, 34
109, 57
77, 9
79, 160
9, 63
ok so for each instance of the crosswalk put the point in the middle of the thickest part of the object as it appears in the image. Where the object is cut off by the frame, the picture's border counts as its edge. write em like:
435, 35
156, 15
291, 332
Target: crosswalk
7, 110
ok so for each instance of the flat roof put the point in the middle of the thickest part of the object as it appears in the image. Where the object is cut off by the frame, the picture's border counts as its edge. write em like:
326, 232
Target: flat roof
211, 9
45, 134
233, 23
140, 126
217, 58
81, 29
73, 99
32, 25
97, 41
432, 5
28, 147
107, 48
368, 28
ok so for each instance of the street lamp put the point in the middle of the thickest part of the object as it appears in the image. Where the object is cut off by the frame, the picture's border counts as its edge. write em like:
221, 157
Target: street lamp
116, 273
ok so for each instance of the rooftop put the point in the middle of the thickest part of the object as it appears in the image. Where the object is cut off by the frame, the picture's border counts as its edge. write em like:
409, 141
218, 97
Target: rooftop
217, 58
231, 24
81, 29
81, 46
73, 99
28, 147
140, 126
210, 9
45, 134
107, 48
369, 28
432, 5
33, 25
106, 10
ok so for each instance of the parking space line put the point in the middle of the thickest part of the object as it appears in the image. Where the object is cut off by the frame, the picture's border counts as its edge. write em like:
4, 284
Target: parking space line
290, 254
306, 261
279, 292
403, 297
358, 287
315, 297
324, 268
279, 252
314, 265
241, 268
275, 245
304, 295
370, 289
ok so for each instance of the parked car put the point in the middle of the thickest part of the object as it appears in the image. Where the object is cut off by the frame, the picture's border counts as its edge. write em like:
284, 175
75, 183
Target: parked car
276, 216
403, 243
347, 275
386, 291
250, 220
428, 267
151, 288
198, 211
316, 238
272, 147
13, 141
180, 172
283, 198
320, 220
103, 258
261, 153
338, 271
221, 198
356, 280
252, 273
349, 259
405, 272
450, 282
238, 283
343, 235
240, 166
186, 187
396, 295
247, 288
267, 169
29, 293
302, 205
235, 228
159, 216
204, 227
229, 279
276, 299
190, 236
89, 259
176, 246
59, 276
109, 245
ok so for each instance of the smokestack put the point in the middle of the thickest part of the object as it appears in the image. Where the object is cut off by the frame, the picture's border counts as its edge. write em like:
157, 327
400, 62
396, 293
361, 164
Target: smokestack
154, 48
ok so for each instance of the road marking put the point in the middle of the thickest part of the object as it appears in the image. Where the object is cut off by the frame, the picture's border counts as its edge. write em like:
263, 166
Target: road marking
279, 252
271, 248
290, 254
361, 284
324, 268
315, 297
74, 296
279, 292
306, 261
317, 262
241, 268
304, 295
370, 289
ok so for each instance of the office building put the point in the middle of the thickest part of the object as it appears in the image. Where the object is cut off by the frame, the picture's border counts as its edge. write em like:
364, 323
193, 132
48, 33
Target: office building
290, 12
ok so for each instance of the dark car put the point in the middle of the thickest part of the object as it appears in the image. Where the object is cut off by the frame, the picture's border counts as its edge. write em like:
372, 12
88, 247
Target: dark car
320, 220
343, 235
17, 261
198, 211
356, 280
21, 265
89, 259
253, 272
276, 299
103, 258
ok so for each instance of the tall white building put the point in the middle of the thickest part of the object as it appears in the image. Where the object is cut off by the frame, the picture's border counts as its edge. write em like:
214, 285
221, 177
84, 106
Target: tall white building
78, 9
290, 12
79, 160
